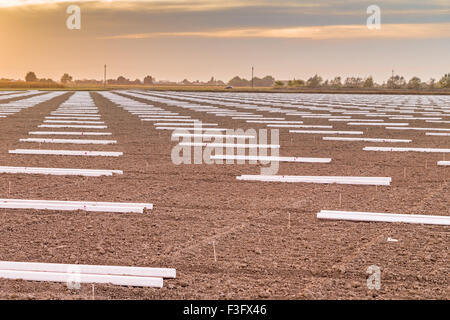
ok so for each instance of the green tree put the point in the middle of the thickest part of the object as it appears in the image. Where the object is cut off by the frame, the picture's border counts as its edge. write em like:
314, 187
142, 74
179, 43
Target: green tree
445, 81
31, 77
414, 83
314, 81
148, 80
66, 78
396, 82
368, 83
336, 82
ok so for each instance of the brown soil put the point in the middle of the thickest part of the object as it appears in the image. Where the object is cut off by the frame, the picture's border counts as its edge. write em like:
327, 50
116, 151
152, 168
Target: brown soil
258, 255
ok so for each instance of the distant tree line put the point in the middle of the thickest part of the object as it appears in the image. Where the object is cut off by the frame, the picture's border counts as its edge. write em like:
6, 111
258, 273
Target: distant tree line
316, 81
394, 82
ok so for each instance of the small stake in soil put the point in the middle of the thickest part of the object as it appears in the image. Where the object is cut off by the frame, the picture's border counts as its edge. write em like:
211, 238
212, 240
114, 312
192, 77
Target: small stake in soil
93, 292
214, 249
404, 172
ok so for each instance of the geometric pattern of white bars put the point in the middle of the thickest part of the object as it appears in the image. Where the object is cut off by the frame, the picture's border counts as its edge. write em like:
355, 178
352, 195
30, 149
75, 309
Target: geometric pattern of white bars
377, 181
383, 217
60, 171
405, 149
117, 275
75, 205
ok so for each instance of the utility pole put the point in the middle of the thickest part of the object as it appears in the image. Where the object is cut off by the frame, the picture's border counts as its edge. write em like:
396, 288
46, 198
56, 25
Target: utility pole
252, 76
104, 78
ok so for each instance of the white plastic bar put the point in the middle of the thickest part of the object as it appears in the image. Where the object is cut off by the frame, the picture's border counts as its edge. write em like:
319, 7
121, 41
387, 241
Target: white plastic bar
443, 163
389, 149
191, 128
67, 152
75, 205
423, 129
270, 158
377, 124
378, 181
89, 269
82, 278
298, 126
67, 133
383, 217
232, 145
60, 171
70, 141
325, 132
74, 121
182, 124
442, 134
212, 135
71, 126
366, 139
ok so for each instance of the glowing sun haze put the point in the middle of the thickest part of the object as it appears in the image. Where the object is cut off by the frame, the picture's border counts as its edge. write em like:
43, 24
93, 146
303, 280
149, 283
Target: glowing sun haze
197, 39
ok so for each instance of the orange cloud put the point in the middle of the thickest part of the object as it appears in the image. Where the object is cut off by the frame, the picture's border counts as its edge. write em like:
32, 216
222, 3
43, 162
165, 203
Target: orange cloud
387, 31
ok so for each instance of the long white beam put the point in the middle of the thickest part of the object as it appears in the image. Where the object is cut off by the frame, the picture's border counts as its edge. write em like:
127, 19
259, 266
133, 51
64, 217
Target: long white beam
74, 121
420, 129
67, 152
60, 171
83, 278
389, 149
383, 217
67, 133
366, 139
298, 126
70, 141
71, 126
442, 134
443, 163
232, 145
89, 269
212, 135
379, 181
270, 158
325, 132
377, 124
75, 205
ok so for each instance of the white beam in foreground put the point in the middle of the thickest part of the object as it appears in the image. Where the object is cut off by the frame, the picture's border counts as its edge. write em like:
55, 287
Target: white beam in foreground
60, 171
325, 132
71, 141
383, 217
389, 149
230, 145
270, 158
211, 135
366, 139
75, 205
443, 134
67, 152
68, 133
71, 126
443, 163
89, 269
82, 278
377, 181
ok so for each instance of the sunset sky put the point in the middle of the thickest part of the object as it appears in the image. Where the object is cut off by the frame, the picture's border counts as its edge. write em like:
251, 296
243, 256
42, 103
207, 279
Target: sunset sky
197, 39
